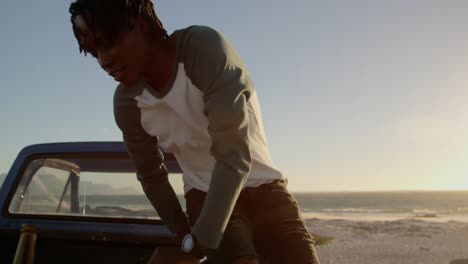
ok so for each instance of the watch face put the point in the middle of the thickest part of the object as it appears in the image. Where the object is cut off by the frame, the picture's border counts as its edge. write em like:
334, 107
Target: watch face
187, 243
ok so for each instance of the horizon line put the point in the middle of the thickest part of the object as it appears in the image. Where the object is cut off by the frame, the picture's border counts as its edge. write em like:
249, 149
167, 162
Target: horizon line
379, 190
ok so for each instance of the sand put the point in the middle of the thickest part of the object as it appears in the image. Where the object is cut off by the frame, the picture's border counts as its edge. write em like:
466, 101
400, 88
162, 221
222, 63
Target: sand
410, 241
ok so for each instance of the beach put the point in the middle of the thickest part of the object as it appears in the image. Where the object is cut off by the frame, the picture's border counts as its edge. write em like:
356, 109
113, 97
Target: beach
409, 240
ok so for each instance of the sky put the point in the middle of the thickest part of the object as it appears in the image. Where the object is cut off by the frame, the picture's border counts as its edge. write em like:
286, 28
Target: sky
355, 95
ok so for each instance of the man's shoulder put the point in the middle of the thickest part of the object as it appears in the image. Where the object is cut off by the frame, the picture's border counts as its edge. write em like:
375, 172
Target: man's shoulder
121, 92
120, 89
126, 111
197, 30
125, 96
196, 37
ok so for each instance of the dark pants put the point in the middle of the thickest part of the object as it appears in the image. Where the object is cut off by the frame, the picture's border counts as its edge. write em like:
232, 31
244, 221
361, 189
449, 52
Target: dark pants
265, 223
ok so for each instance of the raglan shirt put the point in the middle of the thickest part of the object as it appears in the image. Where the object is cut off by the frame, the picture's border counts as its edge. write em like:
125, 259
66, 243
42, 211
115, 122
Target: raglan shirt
208, 116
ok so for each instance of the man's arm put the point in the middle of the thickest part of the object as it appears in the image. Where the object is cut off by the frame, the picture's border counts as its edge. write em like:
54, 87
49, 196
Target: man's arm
215, 68
143, 150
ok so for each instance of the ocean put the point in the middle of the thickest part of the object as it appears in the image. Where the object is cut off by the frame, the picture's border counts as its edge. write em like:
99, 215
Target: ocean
429, 205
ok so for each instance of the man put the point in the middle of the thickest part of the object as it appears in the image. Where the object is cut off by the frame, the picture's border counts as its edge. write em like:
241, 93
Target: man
190, 94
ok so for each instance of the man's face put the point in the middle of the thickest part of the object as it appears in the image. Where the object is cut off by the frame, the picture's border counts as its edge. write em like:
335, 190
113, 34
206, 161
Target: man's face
123, 58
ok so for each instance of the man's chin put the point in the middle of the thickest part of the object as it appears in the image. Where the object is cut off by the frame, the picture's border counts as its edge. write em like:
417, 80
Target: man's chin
129, 83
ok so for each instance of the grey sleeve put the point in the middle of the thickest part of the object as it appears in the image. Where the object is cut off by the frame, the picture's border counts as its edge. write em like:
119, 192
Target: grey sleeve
143, 150
215, 68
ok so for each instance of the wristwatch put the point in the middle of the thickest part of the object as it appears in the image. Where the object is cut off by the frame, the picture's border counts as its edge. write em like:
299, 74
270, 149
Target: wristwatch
190, 246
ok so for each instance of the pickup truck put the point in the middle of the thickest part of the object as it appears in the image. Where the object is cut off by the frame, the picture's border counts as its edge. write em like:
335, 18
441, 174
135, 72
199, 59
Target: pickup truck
86, 203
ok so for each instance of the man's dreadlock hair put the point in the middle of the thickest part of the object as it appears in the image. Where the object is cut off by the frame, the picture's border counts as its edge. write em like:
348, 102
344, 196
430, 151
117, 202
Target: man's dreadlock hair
110, 17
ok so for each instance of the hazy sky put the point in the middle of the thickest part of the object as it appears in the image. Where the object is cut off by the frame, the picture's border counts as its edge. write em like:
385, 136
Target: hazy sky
355, 95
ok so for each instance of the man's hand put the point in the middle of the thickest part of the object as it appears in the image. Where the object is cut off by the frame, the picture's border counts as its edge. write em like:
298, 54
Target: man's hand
171, 255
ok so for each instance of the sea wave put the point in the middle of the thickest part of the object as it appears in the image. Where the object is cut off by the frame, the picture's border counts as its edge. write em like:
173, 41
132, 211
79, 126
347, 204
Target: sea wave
462, 210
353, 210
411, 211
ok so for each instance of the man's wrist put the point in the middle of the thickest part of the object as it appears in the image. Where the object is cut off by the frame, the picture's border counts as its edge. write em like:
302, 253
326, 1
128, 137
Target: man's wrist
191, 246
183, 232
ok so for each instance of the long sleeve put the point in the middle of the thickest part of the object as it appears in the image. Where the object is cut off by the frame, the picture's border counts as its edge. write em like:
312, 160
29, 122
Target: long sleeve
215, 68
143, 150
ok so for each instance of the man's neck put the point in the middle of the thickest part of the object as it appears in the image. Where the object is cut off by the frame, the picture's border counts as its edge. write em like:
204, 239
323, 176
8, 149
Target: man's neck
160, 68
